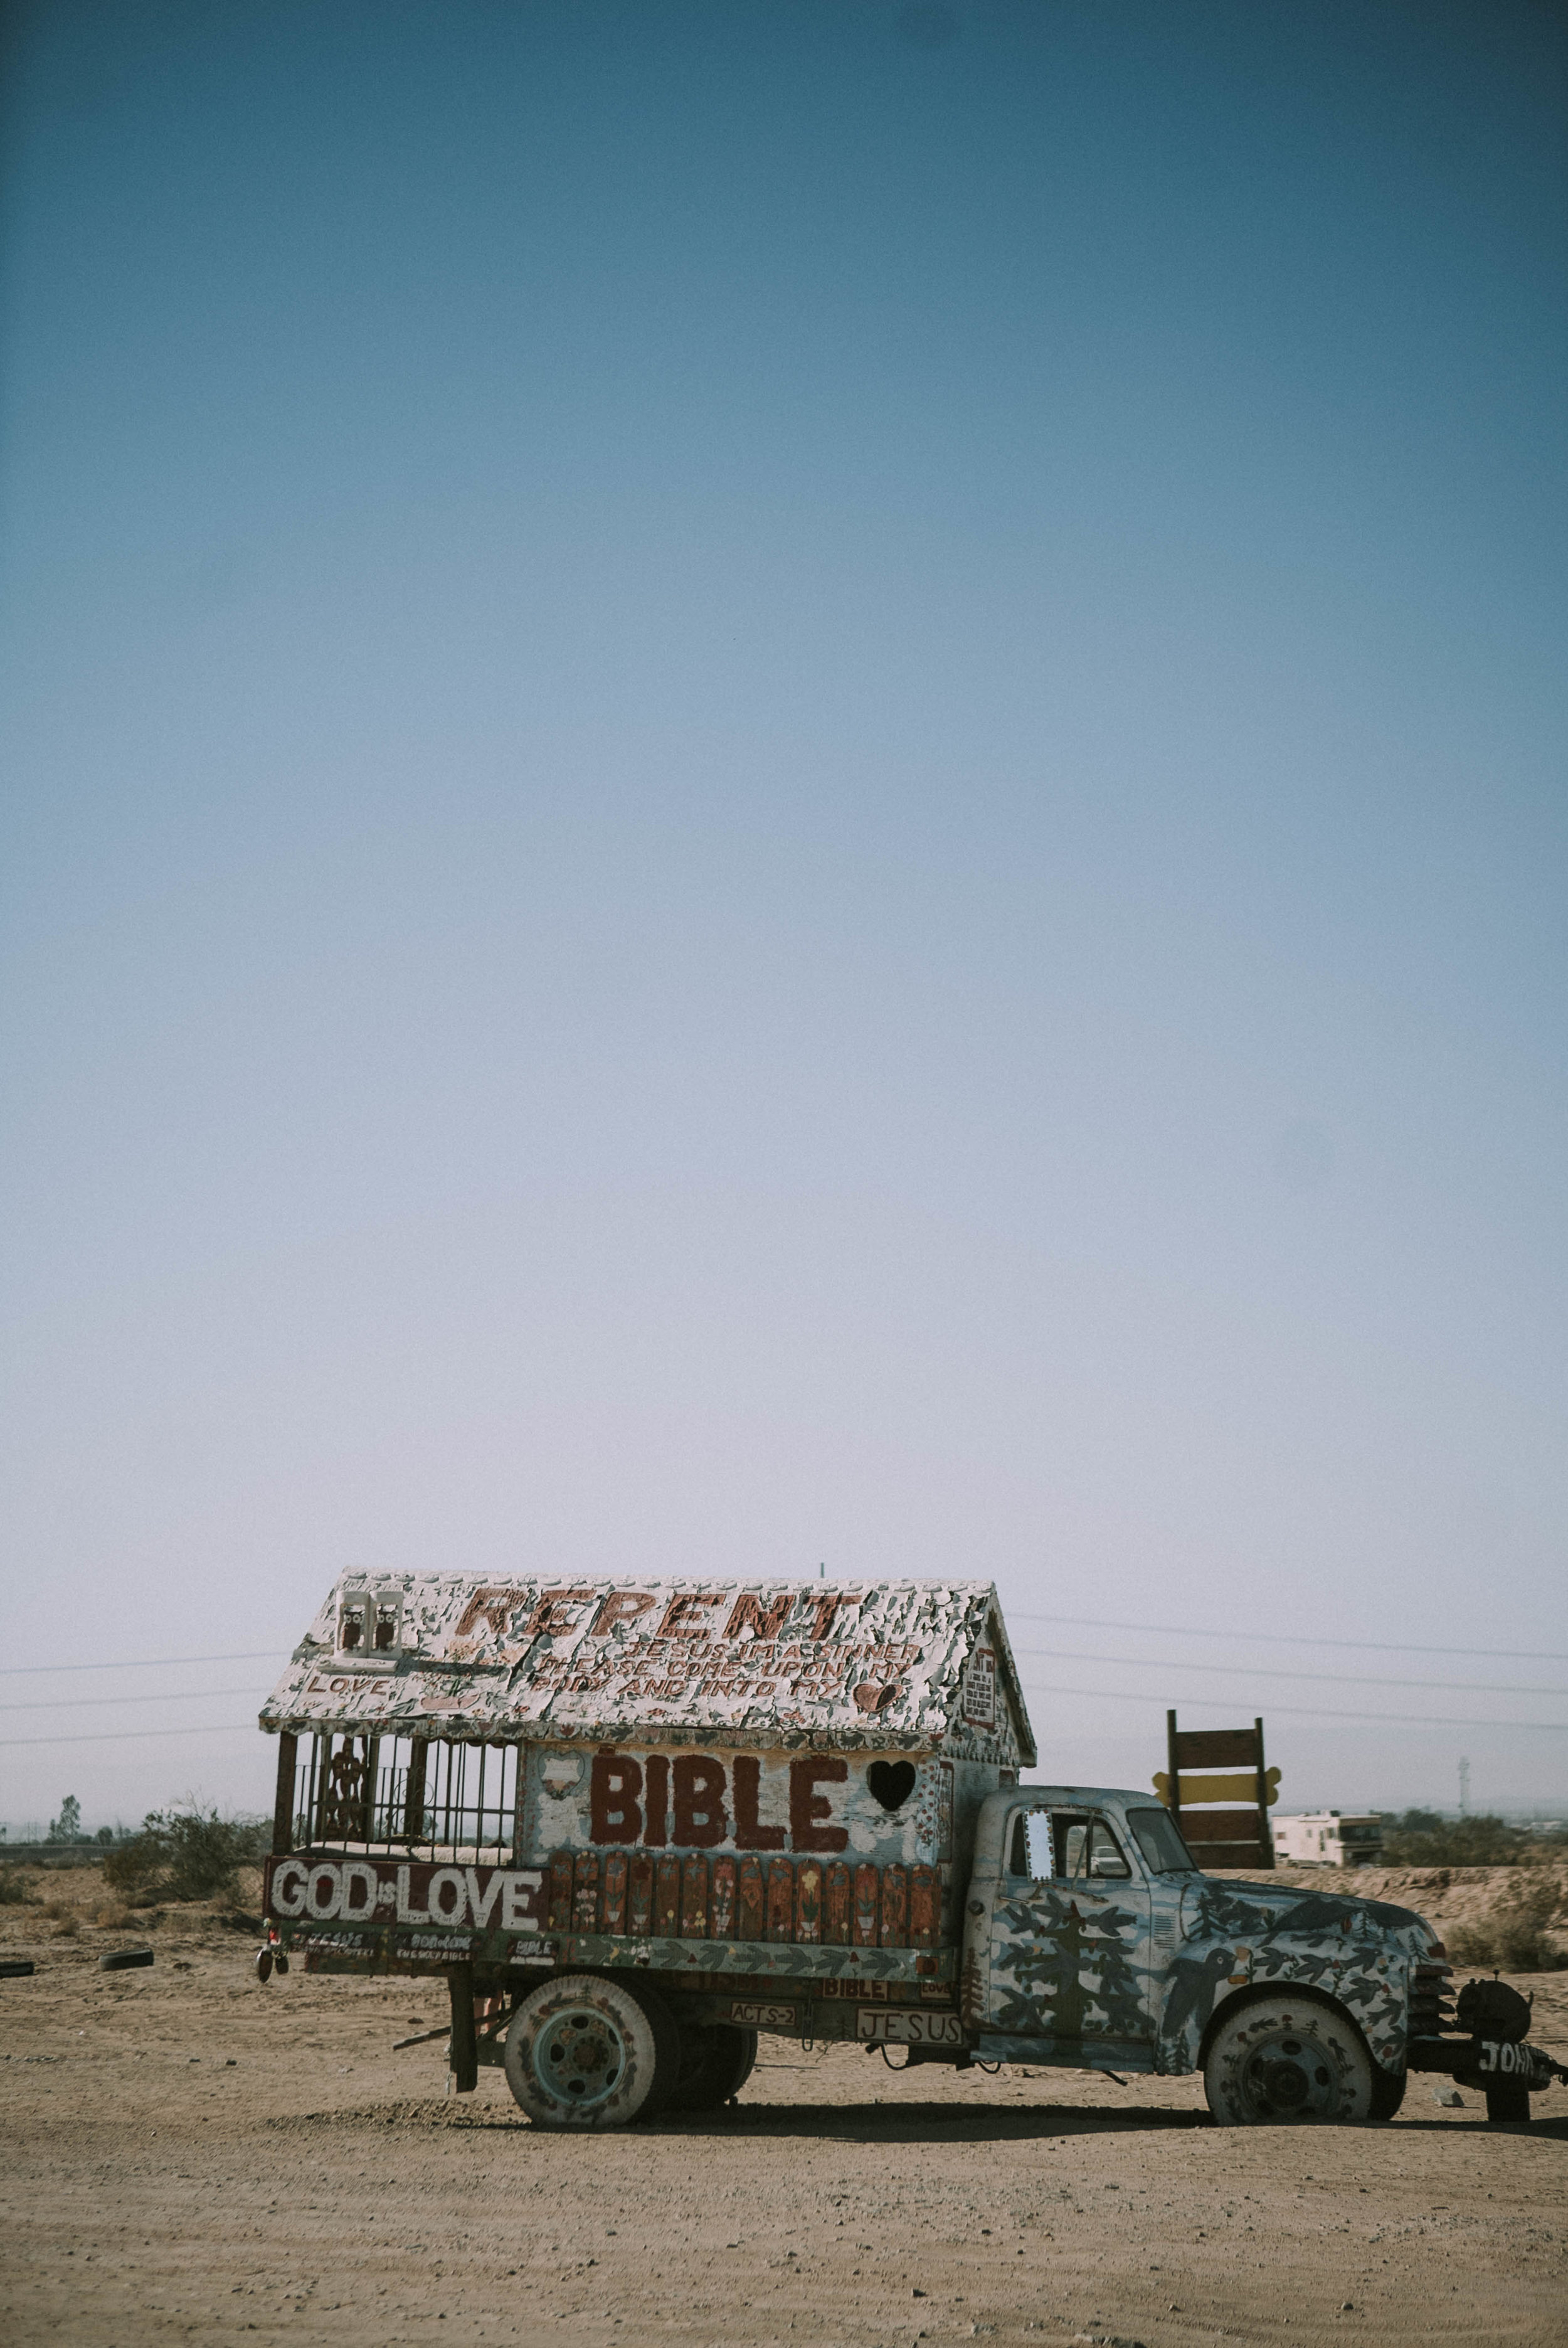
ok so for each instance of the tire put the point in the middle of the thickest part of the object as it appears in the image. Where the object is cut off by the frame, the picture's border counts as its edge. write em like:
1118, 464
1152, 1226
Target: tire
716, 2060
1388, 2093
1288, 2060
15, 1969
121, 1961
583, 2052
1506, 2104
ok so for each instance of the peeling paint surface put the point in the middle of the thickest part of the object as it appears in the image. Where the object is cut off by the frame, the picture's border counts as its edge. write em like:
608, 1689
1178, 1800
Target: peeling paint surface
889, 1667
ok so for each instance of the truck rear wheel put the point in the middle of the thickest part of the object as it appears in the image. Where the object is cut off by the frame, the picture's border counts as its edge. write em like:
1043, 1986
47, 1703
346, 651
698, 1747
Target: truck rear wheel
1283, 2059
716, 2060
586, 2052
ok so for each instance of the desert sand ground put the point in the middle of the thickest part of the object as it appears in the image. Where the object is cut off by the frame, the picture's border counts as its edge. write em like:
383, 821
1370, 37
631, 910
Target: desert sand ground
188, 2155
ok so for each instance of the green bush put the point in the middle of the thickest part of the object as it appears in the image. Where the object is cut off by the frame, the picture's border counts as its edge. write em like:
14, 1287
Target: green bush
186, 1854
1515, 1934
16, 1891
1422, 1839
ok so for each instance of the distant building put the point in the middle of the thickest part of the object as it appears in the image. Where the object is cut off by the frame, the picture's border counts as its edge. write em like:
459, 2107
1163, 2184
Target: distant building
1329, 1838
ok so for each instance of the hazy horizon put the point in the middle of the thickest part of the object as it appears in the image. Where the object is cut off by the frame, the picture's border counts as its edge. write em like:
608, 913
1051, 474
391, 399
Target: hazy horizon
784, 782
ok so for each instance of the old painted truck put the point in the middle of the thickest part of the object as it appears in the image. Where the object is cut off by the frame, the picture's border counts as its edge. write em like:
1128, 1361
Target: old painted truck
634, 1823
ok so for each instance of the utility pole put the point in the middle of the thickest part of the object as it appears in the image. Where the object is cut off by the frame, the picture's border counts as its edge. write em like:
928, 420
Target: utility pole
1464, 1789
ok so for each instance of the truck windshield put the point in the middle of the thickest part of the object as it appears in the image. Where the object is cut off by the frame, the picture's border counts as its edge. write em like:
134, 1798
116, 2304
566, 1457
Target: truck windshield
1165, 1852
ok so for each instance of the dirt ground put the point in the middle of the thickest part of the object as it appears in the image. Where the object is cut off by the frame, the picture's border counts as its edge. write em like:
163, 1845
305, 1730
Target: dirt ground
187, 2154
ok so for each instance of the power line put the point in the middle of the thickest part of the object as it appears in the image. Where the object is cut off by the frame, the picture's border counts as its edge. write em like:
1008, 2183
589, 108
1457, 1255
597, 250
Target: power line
128, 1736
1266, 1671
1304, 1712
1281, 1639
1036, 1688
148, 1663
77, 1702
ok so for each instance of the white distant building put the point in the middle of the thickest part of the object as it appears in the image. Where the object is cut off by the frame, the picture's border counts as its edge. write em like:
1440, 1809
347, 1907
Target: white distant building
1329, 1838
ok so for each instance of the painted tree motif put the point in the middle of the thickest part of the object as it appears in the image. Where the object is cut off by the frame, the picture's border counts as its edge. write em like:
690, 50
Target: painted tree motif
1063, 1972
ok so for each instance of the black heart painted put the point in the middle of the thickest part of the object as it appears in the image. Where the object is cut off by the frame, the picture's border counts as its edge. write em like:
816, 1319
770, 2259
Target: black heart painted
892, 1782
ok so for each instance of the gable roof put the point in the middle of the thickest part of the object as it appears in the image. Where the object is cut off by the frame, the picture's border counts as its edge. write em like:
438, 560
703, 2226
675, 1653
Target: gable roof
878, 1665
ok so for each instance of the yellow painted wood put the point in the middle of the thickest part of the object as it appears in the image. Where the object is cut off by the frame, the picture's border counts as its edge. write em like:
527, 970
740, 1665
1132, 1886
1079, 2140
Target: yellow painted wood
1233, 1785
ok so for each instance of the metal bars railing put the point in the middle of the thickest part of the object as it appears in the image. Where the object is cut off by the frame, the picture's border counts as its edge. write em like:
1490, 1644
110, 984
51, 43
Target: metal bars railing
423, 1797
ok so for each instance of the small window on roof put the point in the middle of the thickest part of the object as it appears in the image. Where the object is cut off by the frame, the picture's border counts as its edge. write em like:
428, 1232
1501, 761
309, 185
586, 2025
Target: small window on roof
370, 1623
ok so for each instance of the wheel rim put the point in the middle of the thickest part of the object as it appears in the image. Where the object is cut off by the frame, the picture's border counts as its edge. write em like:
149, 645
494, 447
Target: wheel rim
579, 2058
1288, 2078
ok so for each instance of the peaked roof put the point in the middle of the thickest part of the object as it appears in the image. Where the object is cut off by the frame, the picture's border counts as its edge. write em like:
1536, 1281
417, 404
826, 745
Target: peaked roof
876, 1665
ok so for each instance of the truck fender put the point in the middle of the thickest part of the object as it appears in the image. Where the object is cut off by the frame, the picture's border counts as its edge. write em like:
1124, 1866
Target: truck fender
1255, 1992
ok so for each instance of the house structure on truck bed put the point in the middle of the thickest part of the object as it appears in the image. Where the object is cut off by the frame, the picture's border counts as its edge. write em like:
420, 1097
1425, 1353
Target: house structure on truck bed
631, 1823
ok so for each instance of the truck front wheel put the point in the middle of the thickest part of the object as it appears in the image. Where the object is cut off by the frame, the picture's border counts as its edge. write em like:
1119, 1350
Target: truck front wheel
1283, 2059
1388, 2093
587, 2053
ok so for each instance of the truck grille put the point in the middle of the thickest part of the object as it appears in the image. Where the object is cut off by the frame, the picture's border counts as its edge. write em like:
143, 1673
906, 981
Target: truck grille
1431, 2007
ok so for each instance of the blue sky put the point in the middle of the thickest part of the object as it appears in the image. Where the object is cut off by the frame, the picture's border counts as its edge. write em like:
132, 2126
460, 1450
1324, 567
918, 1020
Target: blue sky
785, 783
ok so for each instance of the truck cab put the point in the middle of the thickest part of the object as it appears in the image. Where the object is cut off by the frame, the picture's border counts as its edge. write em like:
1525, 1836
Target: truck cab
1091, 1939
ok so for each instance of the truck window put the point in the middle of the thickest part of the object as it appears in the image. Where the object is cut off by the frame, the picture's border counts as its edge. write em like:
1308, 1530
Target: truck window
1156, 1836
1030, 1848
1087, 1848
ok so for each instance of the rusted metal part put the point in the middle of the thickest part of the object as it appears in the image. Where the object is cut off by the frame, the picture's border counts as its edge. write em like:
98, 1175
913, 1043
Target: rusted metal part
465, 2055
694, 1898
883, 1667
284, 1804
414, 1789
895, 1923
585, 1892
925, 1908
808, 1903
639, 1897
837, 1917
615, 1874
752, 1912
867, 1901
723, 1914
780, 1901
667, 1897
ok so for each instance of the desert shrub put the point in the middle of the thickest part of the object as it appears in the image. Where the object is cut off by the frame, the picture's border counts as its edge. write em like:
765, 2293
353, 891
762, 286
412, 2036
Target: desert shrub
183, 1854
16, 1891
1422, 1839
1515, 1934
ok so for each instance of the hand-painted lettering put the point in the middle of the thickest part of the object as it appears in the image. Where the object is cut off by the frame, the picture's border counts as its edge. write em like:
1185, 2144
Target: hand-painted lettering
614, 1787
682, 1619
808, 1810
750, 1832
621, 1606
699, 1819
764, 1621
657, 1785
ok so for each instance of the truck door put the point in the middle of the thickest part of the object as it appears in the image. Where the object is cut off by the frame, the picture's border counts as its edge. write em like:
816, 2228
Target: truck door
1069, 1937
